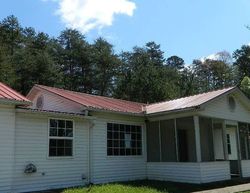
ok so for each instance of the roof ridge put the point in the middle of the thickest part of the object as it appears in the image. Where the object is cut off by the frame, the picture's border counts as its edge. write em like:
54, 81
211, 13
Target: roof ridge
82, 93
232, 87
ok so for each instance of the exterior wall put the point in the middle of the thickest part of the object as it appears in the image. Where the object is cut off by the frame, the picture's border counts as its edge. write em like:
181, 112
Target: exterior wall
56, 103
32, 147
220, 109
7, 141
203, 172
245, 168
114, 168
215, 171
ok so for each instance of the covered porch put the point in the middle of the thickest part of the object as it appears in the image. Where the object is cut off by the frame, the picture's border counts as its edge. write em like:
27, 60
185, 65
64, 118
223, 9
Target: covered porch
197, 149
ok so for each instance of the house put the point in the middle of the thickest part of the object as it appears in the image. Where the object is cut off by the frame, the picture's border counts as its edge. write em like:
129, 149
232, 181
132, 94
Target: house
54, 138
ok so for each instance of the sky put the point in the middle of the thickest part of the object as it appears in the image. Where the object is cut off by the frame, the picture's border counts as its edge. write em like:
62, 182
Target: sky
190, 29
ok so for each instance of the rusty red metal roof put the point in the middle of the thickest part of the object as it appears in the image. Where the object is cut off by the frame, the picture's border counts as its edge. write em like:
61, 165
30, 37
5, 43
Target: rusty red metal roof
97, 102
186, 102
111, 104
8, 94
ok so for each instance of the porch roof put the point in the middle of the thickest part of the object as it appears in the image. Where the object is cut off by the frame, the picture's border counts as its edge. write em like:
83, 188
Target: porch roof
185, 103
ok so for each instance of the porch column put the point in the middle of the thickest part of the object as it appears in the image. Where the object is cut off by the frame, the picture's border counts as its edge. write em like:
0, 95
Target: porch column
197, 138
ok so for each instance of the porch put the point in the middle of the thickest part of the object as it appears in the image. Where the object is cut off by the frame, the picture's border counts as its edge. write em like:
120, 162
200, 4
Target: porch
197, 149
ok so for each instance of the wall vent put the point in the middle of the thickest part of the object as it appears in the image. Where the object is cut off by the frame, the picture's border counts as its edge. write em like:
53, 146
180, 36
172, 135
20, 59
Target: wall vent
39, 102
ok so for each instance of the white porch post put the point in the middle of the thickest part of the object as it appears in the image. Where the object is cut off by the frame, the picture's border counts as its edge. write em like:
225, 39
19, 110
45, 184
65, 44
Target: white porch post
197, 138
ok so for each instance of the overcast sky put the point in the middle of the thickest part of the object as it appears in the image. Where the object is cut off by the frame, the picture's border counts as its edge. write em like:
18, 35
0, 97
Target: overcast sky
187, 28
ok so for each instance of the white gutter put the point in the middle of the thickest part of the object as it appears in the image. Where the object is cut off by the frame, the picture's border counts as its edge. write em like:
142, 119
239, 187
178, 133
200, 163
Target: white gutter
14, 102
142, 114
44, 112
195, 108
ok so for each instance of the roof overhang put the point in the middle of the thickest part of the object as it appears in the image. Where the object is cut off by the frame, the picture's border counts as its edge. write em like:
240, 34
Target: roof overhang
15, 102
53, 113
219, 96
85, 108
142, 114
183, 110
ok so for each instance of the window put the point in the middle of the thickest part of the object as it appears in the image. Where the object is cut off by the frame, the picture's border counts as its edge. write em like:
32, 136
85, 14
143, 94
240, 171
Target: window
123, 140
60, 138
228, 144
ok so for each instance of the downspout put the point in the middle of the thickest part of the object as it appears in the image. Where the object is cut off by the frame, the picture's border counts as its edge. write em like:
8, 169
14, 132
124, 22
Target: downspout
91, 125
12, 186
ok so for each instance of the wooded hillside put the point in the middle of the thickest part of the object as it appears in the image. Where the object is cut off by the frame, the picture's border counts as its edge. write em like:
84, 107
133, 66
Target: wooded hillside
145, 74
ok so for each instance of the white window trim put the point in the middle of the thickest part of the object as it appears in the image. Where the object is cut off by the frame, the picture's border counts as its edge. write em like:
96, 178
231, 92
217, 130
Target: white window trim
55, 137
126, 156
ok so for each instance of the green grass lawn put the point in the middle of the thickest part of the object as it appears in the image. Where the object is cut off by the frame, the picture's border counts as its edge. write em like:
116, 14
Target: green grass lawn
114, 188
150, 186
131, 187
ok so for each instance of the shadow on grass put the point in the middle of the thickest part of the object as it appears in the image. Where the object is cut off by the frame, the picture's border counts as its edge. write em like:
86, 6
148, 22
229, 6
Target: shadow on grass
172, 187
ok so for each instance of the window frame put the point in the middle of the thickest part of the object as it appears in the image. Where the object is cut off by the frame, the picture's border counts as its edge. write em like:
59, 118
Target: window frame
229, 150
125, 156
56, 137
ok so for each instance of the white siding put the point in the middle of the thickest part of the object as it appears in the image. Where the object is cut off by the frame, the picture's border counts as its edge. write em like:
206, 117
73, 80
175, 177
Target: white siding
109, 169
245, 168
173, 171
7, 141
53, 102
215, 171
32, 147
220, 109
197, 173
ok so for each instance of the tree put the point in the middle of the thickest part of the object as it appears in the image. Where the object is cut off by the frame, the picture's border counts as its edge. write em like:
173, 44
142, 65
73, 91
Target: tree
213, 74
245, 85
144, 77
33, 63
155, 53
105, 64
175, 62
221, 74
10, 33
143, 74
74, 59
225, 57
7, 73
187, 82
242, 61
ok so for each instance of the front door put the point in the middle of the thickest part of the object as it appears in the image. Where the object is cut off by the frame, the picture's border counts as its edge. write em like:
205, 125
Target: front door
231, 142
